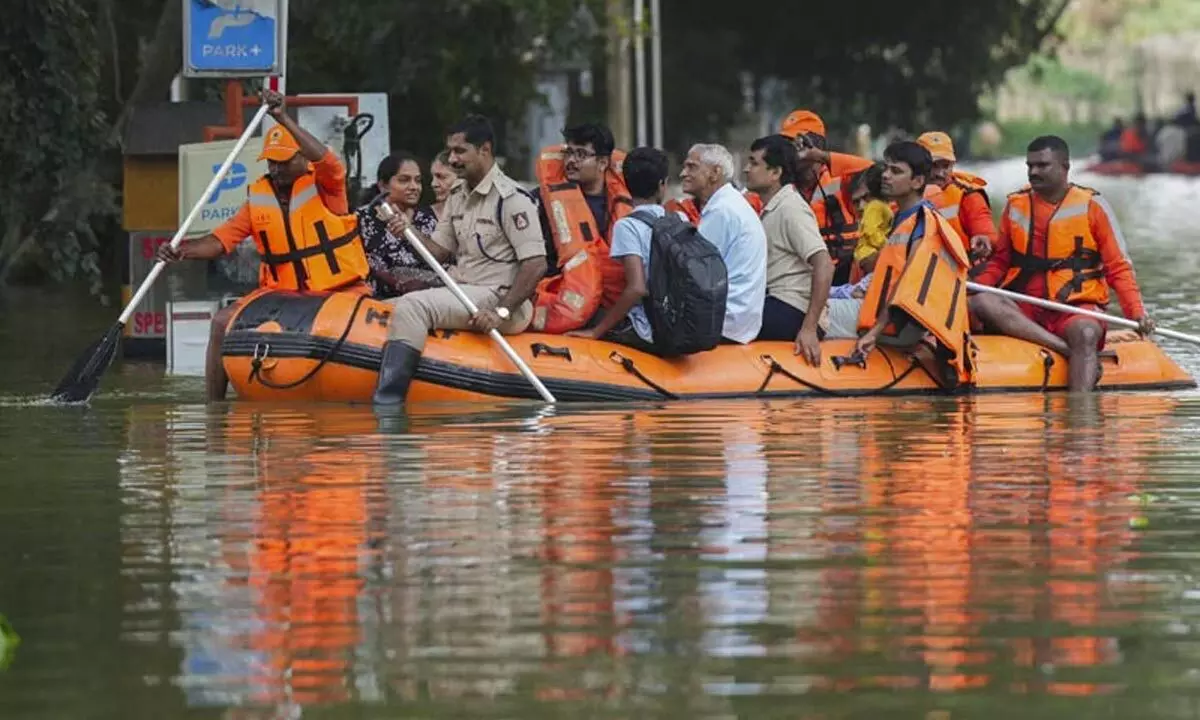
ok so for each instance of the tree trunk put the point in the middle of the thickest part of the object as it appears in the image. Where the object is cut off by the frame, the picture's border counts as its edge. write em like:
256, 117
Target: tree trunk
161, 62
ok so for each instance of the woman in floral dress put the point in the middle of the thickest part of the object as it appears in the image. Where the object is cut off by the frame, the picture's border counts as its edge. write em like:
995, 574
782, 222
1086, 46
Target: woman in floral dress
396, 268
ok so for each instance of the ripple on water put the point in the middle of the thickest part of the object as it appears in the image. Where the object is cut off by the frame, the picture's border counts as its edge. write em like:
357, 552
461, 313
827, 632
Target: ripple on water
906, 557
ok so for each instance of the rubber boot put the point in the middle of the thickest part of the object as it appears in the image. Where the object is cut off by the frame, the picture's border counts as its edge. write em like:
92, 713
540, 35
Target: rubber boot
396, 370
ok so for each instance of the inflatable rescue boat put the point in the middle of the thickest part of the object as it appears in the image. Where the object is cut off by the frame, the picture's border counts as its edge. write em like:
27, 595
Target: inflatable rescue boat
292, 346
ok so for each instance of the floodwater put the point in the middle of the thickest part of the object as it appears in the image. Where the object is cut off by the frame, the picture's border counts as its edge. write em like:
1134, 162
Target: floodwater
922, 558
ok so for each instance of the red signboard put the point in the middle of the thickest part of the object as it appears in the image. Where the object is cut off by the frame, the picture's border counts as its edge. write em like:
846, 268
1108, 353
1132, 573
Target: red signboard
149, 319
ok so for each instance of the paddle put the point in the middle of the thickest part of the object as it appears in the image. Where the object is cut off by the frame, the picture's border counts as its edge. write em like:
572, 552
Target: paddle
1051, 305
81, 381
386, 212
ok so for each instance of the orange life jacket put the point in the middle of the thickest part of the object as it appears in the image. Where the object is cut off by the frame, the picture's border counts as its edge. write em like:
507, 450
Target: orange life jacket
948, 199
755, 201
925, 279
314, 248
688, 207
590, 279
838, 223
1072, 264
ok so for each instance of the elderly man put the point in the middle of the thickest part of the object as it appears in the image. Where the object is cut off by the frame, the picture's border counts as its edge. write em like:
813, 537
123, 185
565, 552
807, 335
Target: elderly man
729, 223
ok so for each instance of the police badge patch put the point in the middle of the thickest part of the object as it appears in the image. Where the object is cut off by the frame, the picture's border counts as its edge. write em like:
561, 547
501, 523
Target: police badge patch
520, 221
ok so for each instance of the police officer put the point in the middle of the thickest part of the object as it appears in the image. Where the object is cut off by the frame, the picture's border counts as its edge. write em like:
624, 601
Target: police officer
490, 229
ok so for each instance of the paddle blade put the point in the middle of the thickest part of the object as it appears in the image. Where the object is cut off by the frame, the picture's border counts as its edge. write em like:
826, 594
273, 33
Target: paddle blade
84, 376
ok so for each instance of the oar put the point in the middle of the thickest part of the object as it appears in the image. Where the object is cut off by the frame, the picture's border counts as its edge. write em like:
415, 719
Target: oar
495, 335
1051, 305
84, 376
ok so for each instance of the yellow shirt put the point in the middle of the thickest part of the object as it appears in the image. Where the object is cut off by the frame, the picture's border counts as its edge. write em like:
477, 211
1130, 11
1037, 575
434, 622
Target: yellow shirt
874, 228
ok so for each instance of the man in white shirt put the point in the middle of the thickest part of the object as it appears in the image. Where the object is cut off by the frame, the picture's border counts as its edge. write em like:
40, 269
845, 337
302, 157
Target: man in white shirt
799, 269
730, 224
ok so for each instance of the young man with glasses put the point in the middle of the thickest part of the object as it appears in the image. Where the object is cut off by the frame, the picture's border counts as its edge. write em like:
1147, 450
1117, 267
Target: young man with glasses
582, 196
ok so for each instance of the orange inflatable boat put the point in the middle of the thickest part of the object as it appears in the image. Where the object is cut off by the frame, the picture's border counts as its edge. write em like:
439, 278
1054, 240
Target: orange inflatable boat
284, 345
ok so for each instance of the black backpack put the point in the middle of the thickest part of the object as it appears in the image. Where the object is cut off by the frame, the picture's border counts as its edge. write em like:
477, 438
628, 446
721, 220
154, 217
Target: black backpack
688, 286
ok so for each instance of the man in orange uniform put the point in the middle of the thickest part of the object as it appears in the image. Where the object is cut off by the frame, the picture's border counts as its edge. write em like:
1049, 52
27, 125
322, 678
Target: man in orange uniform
959, 196
1059, 241
299, 218
825, 183
583, 196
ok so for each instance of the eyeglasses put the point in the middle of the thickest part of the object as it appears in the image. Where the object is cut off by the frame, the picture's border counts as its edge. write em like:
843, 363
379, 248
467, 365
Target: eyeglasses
578, 153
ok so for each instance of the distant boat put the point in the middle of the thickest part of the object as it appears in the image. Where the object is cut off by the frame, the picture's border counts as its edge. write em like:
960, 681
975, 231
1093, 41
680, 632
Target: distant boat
1131, 168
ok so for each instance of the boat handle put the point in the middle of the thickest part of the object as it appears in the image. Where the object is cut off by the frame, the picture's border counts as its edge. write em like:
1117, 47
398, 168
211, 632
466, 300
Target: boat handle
543, 348
855, 358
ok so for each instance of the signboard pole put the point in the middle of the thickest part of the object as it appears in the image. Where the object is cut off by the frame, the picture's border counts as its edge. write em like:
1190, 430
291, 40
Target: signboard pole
278, 83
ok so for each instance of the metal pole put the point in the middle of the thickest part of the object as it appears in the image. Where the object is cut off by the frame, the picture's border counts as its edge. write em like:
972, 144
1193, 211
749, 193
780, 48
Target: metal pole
639, 68
620, 114
1072, 310
656, 71
279, 84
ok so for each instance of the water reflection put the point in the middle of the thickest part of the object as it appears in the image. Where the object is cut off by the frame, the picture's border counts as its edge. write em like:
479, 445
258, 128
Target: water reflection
684, 557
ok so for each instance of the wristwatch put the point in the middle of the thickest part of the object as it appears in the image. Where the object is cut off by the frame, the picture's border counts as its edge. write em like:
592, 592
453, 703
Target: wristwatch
503, 312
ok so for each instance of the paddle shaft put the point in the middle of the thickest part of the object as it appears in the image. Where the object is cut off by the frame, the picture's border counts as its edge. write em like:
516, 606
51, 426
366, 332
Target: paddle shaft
191, 217
495, 335
1060, 307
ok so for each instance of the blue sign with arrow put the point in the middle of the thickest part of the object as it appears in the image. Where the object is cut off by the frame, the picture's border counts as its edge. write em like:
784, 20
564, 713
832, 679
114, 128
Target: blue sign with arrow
231, 38
233, 180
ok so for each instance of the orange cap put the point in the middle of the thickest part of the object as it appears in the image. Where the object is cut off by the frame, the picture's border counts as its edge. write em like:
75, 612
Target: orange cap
939, 145
802, 122
279, 145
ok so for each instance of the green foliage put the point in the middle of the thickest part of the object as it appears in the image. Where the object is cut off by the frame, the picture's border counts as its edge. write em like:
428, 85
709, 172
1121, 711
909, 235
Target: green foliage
54, 133
437, 60
914, 65
1083, 138
71, 69
1069, 83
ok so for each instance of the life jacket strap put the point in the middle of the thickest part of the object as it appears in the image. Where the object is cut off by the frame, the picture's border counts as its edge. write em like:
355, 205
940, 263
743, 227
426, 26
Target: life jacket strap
325, 246
1085, 265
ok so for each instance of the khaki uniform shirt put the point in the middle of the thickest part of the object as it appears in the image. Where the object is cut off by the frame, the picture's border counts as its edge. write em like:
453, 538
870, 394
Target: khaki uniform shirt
488, 252
793, 237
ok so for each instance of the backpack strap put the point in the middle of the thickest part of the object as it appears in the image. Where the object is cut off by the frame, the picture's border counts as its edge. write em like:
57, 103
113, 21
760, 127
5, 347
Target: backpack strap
644, 217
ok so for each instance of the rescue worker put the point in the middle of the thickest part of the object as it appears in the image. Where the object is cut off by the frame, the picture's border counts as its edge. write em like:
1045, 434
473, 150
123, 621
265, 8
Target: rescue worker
299, 217
1059, 241
583, 196
919, 281
491, 232
1135, 139
825, 184
799, 271
960, 196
